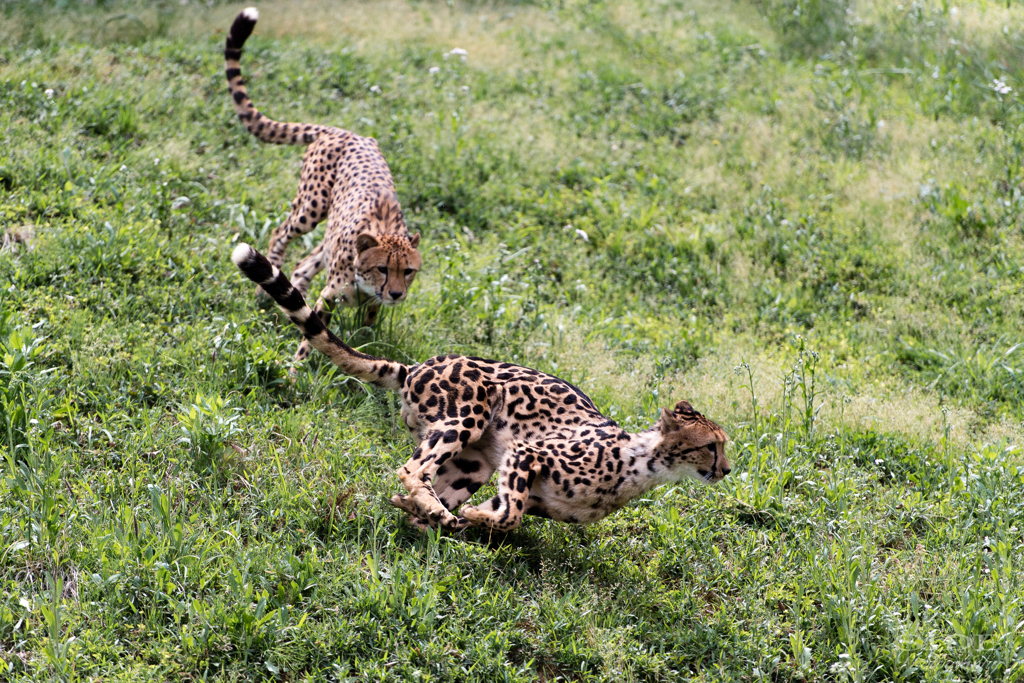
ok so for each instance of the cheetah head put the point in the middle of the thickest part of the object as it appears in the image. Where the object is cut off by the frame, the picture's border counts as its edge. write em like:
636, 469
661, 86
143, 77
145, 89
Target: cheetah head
693, 445
386, 266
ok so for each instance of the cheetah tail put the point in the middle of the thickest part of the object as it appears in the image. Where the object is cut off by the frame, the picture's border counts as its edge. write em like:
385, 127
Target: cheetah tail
259, 125
379, 371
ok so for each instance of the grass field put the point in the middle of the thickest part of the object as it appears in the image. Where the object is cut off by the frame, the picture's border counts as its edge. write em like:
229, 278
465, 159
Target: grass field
804, 216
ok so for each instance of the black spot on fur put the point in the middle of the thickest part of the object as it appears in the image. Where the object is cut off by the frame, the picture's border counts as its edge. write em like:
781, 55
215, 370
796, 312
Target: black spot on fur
467, 466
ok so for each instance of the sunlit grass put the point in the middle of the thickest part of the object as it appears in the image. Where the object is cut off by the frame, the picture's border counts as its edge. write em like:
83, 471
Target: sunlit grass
817, 243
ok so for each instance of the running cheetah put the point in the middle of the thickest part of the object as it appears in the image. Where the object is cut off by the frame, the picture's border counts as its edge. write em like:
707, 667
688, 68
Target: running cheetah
556, 455
368, 252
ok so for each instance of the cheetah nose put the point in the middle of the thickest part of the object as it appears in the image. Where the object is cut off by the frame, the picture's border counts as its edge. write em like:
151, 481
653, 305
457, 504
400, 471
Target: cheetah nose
395, 295
726, 470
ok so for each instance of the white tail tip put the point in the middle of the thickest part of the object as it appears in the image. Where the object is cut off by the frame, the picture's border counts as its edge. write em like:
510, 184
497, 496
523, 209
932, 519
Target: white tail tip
251, 13
242, 253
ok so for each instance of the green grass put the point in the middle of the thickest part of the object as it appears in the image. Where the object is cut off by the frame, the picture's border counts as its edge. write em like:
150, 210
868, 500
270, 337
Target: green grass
808, 224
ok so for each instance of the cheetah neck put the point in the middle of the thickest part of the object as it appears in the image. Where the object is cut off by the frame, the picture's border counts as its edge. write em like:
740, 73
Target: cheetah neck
646, 468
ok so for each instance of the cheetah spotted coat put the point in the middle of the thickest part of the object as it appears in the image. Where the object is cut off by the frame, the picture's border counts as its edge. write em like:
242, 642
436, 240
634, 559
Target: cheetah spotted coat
555, 454
367, 250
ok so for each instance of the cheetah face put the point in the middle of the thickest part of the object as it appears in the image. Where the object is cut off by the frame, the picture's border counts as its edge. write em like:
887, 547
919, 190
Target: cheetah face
386, 266
693, 444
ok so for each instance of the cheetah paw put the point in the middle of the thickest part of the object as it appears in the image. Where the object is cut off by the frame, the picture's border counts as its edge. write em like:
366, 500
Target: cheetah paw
406, 503
418, 524
474, 516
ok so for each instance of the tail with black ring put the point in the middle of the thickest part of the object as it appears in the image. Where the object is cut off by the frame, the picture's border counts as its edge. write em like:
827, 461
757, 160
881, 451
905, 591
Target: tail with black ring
378, 371
259, 125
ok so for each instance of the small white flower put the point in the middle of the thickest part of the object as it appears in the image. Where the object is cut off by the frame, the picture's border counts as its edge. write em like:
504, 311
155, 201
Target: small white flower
375, 88
156, 162
33, 421
581, 287
880, 124
582, 235
433, 70
1001, 87
744, 477
123, 167
879, 461
49, 92
953, 11
465, 88
456, 52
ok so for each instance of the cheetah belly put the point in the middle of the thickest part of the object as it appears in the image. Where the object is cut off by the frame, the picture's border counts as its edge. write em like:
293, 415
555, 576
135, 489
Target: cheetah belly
492, 445
564, 492
549, 500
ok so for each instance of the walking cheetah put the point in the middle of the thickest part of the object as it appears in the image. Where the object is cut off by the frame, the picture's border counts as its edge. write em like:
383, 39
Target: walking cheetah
556, 455
367, 250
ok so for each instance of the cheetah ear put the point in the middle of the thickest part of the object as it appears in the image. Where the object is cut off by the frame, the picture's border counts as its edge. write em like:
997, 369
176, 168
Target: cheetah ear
365, 241
669, 422
685, 408
415, 240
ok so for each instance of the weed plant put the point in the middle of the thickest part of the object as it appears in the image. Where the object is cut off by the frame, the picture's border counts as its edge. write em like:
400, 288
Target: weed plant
804, 217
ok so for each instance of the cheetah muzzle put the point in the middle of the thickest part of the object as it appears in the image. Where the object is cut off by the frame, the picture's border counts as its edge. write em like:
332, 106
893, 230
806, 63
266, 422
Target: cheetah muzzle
555, 454
370, 257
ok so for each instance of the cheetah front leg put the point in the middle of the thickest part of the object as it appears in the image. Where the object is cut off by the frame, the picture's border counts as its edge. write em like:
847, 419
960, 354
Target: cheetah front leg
440, 446
308, 208
302, 218
300, 221
459, 478
308, 268
323, 308
505, 511
371, 314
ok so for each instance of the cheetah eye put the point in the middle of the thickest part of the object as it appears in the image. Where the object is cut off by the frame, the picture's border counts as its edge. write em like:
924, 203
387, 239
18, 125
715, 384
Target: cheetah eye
409, 271
383, 269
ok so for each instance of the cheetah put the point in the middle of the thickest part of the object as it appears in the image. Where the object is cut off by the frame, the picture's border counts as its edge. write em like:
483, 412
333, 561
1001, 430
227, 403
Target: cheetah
369, 254
556, 455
